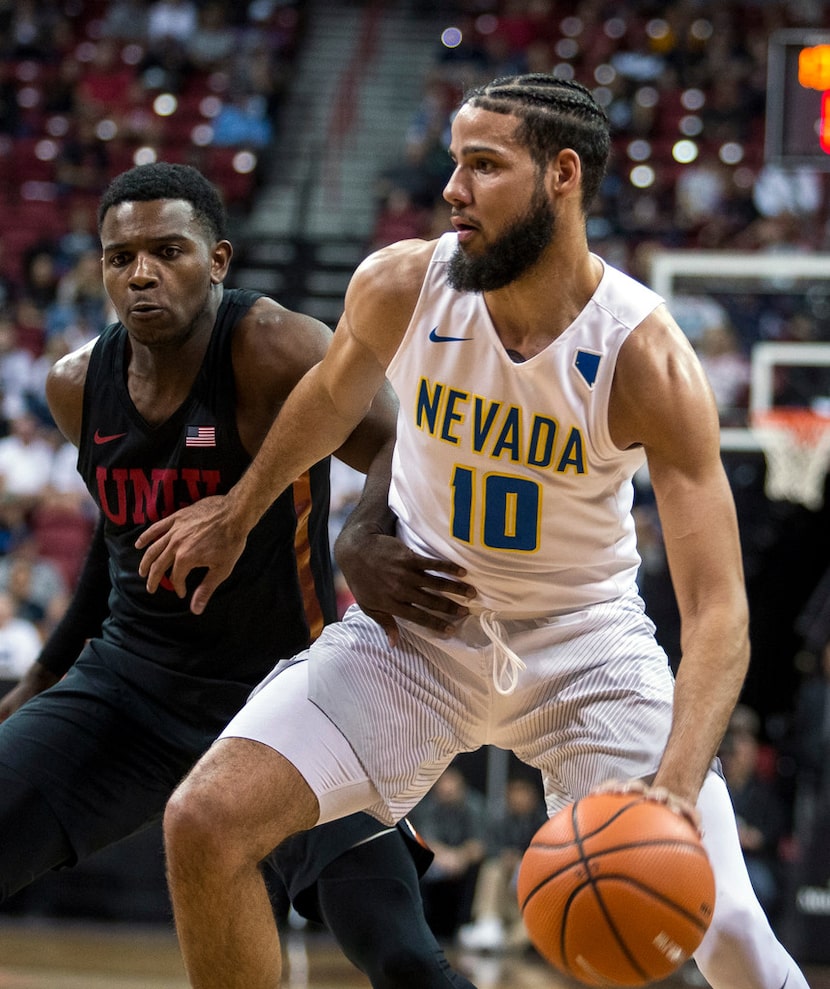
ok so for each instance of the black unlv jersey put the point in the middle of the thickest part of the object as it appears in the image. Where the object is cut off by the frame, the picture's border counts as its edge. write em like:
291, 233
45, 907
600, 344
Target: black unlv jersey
280, 592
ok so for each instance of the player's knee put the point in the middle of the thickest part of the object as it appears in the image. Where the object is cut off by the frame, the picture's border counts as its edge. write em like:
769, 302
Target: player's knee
200, 821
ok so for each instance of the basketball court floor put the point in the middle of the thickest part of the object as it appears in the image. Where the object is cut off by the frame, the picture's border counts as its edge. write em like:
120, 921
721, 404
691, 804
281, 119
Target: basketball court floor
51, 955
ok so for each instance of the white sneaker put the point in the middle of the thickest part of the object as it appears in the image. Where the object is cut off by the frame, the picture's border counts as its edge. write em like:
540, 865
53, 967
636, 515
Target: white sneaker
483, 935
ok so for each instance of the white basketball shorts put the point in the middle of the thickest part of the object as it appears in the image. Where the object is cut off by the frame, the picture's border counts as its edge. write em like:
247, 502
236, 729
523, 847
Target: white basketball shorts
371, 727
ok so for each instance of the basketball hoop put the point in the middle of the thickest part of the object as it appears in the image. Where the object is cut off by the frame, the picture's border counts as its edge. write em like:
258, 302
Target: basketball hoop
796, 445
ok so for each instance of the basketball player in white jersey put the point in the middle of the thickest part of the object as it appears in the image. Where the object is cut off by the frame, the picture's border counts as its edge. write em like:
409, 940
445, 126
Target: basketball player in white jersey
533, 380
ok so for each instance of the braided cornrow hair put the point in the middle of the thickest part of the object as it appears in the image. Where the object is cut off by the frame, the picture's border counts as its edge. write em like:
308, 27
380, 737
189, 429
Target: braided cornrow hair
555, 114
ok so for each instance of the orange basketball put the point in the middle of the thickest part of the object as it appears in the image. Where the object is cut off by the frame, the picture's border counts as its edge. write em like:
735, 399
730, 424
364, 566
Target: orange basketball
616, 890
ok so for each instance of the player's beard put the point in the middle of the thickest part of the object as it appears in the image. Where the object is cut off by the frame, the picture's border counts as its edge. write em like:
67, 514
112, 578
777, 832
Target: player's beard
509, 257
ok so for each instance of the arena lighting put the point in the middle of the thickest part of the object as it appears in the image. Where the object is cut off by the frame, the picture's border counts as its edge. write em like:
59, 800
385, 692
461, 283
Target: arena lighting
451, 37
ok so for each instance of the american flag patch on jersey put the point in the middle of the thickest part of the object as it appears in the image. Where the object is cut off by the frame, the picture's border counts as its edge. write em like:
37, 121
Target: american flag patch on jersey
200, 436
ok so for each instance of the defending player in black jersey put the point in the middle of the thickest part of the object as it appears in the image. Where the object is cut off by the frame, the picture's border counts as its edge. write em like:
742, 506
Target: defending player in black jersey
166, 407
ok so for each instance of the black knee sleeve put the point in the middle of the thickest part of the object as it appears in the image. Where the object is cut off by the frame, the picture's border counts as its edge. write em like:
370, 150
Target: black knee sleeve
371, 902
31, 839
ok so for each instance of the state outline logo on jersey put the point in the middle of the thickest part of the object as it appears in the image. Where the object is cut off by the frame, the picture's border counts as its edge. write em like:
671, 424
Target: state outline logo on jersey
587, 364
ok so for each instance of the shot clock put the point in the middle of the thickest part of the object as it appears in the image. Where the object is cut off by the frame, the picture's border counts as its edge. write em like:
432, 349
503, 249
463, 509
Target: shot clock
798, 99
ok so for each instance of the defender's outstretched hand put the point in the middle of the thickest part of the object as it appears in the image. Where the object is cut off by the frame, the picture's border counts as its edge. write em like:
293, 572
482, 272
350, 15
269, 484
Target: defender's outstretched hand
205, 535
388, 581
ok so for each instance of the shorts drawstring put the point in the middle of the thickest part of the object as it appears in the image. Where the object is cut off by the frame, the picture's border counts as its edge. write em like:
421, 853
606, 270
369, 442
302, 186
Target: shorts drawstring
506, 664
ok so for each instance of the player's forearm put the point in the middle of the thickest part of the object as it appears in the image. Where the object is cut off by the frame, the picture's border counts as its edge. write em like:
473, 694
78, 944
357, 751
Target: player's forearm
372, 512
709, 682
308, 428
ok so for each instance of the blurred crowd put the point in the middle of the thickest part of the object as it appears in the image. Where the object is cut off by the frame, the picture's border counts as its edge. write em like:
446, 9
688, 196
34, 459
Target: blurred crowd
91, 87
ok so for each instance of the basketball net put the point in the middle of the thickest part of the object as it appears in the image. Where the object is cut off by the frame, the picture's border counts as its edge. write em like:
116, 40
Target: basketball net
796, 445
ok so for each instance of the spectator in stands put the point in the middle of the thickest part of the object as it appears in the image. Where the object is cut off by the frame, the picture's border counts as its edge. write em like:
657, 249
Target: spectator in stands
40, 274
172, 20
61, 95
759, 809
9, 107
242, 121
787, 192
497, 922
426, 135
66, 485
400, 218
79, 237
81, 306
171, 25
213, 43
19, 588
125, 20
62, 525
105, 83
15, 369
29, 31
30, 326
25, 467
728, 370
55, 347
31, 577
63, 520
83, 163
503, 57
700, 193
258, 69
732, 106
19, 640
8, 285
412, 175
451, 819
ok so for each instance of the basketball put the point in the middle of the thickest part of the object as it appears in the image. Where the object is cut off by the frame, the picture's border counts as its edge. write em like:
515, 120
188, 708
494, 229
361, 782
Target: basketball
616, 890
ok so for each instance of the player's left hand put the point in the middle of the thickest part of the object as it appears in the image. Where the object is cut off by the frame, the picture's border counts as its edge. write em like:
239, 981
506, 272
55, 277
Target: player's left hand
660, 794
389, 581
202, 535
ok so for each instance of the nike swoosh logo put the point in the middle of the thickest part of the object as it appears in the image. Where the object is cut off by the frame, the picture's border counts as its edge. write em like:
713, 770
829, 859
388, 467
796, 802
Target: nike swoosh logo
436, 337
99, 439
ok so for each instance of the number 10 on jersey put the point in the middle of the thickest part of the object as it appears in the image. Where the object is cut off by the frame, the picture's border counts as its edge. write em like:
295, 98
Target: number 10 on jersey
503, 508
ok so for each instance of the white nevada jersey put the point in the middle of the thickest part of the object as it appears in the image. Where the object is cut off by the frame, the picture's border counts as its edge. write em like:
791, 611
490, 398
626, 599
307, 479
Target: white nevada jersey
510, 470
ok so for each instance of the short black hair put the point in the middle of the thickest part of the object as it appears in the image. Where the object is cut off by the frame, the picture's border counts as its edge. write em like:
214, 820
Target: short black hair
554, 114
164, 180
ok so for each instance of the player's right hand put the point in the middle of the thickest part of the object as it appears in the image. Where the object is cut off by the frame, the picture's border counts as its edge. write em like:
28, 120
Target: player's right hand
660, 794
204, 534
